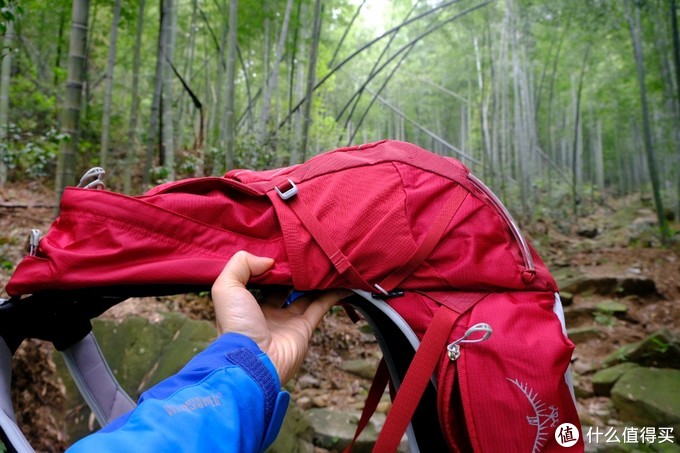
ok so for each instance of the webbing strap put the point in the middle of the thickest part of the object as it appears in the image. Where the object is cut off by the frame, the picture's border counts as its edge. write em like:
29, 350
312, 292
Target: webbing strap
372, 400
437, 229
417, 377
96, 381
330, 249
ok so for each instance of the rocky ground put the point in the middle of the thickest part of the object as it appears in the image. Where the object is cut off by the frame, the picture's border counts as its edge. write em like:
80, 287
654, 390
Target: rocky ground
621, 291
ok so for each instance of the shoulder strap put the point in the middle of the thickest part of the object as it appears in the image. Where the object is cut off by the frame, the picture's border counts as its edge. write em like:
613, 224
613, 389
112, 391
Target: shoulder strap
419, 373
372, 400
8, 422
95, 380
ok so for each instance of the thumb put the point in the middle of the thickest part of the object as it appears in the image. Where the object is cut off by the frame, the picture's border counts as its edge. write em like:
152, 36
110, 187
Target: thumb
241, 267
318, 308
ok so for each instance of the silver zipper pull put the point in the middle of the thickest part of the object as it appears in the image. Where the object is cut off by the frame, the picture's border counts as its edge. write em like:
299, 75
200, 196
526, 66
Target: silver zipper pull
483, 328
33, 241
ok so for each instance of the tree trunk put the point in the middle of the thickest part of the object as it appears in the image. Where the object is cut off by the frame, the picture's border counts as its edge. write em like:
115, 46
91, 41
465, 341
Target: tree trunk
299, 87
134, 104
110, 65
551, 139
676, 45
598, 156
483, 111
229, 123
354, 100
87, 83
375, 40
155, 107
400, 117
266, 48
311, 77
168, 51
676, 61
183, 103
215, 125
524, 117
60, 35
292, 68
633, 16
70, 115
578, 147
344, 34
6, 69
272, 86
380, 90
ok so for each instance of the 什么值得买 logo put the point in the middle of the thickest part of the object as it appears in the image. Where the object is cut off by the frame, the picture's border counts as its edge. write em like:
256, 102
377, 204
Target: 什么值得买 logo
567, 434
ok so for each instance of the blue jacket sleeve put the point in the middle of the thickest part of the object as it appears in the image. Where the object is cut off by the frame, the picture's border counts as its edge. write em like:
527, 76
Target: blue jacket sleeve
228, 398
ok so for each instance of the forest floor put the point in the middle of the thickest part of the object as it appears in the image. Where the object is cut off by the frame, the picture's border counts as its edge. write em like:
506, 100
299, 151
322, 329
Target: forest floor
619, 244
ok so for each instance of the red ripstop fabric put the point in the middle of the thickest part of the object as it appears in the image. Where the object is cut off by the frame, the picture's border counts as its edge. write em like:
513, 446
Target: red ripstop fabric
374, 217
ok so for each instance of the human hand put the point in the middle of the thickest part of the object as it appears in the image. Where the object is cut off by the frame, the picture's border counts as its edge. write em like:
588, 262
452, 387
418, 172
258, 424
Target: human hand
282, 333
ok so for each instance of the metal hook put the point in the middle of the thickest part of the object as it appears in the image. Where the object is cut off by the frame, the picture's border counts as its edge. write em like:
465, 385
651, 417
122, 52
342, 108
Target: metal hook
454, 348
95, 172
33, 241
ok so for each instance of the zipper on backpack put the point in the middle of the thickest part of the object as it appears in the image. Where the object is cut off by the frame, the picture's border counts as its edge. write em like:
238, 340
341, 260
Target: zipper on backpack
530, 268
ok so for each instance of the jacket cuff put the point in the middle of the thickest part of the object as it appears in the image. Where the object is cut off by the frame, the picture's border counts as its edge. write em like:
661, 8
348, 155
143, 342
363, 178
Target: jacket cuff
257, 365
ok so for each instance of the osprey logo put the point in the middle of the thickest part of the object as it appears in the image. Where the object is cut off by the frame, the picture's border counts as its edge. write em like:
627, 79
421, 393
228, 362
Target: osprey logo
544, 416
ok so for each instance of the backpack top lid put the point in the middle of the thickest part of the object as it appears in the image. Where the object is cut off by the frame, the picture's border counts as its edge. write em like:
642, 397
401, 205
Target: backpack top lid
375, 203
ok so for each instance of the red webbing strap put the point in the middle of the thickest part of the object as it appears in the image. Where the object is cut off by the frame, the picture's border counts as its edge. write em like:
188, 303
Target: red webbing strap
372, 400
437, 229
429, 353
332, 251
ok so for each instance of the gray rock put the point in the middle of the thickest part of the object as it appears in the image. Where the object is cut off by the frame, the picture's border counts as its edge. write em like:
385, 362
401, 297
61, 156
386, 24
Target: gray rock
578, 315
564, 276
364, 368
583, 334
644, 231
583, 366
307, 380
320, 401
334, 430
582, 388
588, 232
140, 355
661, 350
614, 285
603, 313
296, 433
604, 380
304, 402
648, 397
611, 306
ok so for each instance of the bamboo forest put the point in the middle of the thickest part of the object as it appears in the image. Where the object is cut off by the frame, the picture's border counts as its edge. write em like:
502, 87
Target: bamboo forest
543, 99
568, 110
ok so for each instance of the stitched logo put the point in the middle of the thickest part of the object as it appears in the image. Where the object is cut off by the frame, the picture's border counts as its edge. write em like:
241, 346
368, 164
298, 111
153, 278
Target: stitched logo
544, 416
193, 404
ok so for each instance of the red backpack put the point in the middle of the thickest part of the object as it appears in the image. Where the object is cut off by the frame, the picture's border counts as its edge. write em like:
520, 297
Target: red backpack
466, 313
